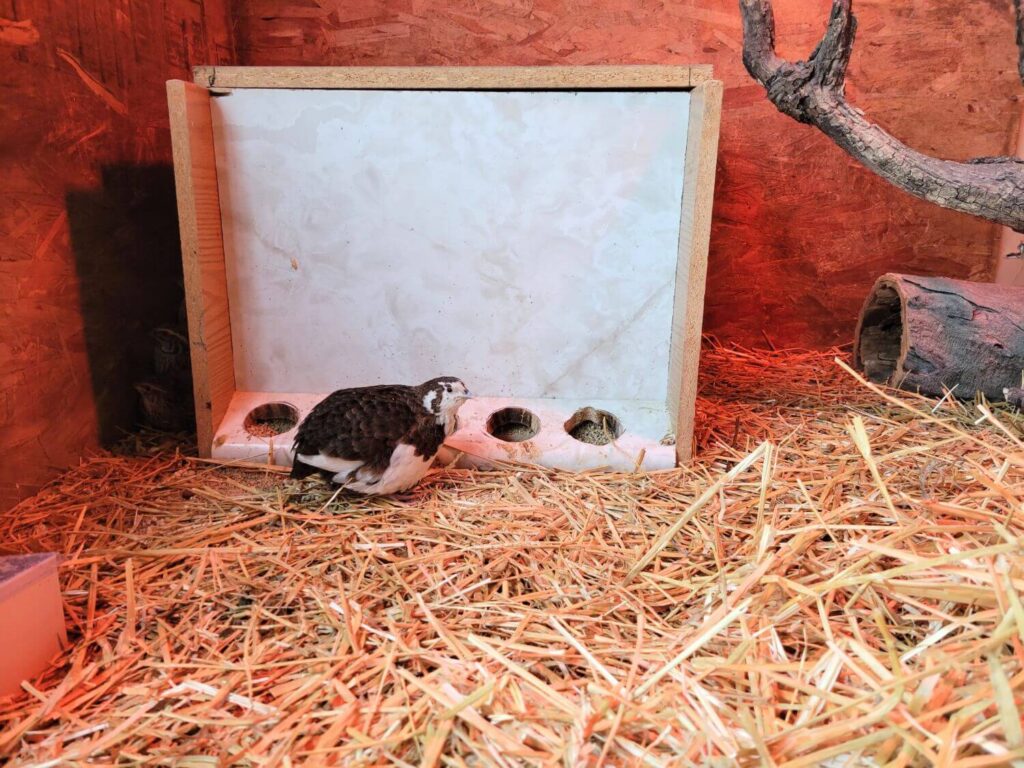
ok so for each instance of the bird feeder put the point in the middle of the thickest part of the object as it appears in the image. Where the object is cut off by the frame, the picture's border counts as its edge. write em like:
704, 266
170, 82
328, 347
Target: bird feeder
542, 233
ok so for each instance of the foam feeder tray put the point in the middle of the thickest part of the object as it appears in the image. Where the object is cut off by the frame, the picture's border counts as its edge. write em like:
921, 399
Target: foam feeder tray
261, 428
621, 436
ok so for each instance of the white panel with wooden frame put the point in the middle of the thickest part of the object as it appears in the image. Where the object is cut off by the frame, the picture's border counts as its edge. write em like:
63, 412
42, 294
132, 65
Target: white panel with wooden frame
540, 231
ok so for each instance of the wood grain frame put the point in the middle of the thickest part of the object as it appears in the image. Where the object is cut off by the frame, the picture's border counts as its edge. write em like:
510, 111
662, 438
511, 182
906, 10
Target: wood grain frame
202, 256
454, 78
199, 205
692, 266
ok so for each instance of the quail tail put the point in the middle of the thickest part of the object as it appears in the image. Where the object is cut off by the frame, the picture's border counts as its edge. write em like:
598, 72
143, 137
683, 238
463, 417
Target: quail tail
300, 469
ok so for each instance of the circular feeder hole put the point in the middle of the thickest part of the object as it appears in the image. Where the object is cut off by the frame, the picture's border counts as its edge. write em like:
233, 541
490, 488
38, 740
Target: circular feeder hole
271, 419
513, 425
589, 425
881, 335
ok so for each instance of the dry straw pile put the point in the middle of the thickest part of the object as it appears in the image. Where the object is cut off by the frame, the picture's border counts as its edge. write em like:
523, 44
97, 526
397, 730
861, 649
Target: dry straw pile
837, 579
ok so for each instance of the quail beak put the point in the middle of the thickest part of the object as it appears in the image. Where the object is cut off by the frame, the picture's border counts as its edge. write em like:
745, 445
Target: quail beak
468, 396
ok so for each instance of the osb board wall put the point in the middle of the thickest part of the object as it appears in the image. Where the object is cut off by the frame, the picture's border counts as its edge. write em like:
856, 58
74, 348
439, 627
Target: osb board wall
88, 244
89, 260
801, 232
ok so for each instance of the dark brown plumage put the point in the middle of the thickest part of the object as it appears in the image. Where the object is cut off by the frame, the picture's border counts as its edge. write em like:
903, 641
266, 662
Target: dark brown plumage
377, 439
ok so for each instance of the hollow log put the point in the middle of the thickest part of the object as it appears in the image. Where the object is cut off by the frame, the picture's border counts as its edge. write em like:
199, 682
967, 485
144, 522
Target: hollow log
933, 334
1015, 396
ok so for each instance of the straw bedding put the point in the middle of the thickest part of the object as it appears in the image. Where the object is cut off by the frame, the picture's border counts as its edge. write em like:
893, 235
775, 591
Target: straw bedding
836, 580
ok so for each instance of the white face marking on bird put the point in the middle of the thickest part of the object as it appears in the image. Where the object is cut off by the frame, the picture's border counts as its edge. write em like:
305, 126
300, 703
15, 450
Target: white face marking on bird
443, 397
428, 400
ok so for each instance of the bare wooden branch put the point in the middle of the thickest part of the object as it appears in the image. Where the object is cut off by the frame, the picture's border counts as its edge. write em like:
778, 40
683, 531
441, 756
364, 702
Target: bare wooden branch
1020, 37
813, 92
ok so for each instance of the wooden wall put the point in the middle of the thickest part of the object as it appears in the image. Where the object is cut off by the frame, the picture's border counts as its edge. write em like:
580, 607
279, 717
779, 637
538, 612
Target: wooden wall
89, 260
800, 231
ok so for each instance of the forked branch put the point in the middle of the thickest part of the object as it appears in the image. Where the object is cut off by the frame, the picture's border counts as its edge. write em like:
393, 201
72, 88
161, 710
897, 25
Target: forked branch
813, 92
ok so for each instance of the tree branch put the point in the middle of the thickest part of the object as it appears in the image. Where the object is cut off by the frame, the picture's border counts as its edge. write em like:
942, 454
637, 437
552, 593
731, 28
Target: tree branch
813, 92
1020, 37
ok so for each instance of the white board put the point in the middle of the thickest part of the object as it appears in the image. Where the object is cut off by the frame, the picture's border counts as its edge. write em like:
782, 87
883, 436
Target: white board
525, 241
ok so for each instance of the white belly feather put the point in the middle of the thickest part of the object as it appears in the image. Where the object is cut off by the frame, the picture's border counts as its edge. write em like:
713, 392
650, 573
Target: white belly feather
404, 470
341, 467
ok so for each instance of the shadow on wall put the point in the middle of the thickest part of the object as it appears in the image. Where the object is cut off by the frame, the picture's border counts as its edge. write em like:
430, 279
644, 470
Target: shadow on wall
124, 236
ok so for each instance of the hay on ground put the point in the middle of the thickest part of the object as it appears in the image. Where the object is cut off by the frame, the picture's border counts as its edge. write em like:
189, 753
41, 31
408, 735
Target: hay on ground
837, 578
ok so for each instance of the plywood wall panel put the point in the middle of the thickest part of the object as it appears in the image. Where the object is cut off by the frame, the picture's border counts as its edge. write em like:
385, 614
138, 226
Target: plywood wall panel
799, 235
88, 255
800, 231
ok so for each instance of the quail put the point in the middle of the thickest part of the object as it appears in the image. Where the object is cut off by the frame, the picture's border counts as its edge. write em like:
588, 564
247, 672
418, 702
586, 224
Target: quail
378, 440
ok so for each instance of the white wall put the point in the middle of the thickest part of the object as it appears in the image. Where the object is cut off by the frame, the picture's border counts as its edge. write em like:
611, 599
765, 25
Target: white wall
526, 241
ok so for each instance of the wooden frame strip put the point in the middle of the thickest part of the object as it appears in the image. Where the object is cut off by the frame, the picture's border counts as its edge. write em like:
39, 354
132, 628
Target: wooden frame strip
455, 78
202, 250
691, 275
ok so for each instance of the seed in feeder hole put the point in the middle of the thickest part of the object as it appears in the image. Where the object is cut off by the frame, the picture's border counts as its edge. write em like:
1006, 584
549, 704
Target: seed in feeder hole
513, 433
270, 427
513, 425
270, 419
594, 427
591, 432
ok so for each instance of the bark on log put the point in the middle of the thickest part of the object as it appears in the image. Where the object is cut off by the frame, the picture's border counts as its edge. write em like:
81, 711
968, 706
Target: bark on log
813, 92
933, 334
1015, 396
